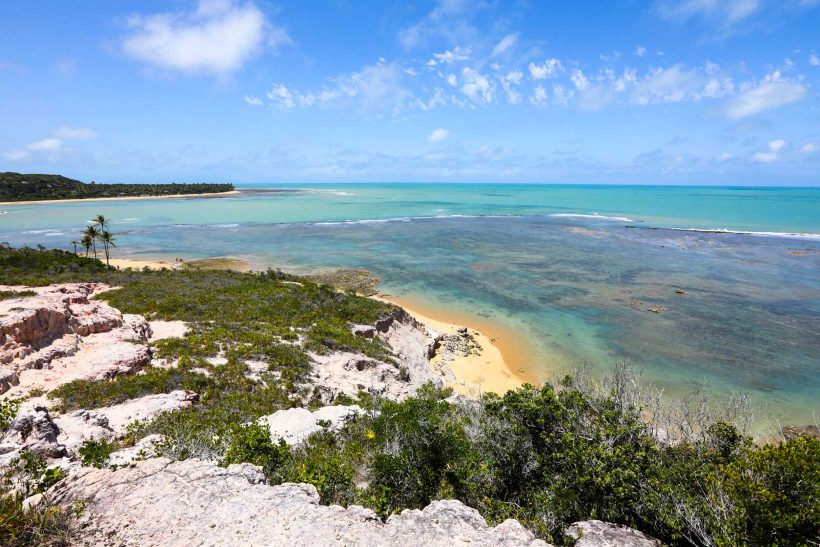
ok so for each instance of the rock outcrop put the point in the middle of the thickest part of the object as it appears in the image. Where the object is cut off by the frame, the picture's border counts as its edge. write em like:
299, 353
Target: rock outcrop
595, 533
36, 430
294, 425
412, 345
198, 503
59, 335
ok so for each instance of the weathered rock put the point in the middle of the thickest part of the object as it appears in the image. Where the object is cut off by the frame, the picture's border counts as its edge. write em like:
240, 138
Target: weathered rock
144, 449
295, 425
198, 503
412, 345
58, 436
34, 430
595, 533
60, 335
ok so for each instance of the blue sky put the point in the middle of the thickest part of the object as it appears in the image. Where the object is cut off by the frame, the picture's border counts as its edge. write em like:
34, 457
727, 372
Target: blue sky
655, 92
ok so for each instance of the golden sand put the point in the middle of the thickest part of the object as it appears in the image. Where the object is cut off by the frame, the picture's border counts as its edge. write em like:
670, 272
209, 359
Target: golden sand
505, 359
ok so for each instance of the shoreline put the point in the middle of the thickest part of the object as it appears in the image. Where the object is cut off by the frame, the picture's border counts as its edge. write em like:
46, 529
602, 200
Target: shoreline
503, 363
121, 198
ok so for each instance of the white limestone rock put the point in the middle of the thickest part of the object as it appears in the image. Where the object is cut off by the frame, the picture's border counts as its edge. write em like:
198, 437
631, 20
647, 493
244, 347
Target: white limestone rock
595, 533
295, 425
198, 503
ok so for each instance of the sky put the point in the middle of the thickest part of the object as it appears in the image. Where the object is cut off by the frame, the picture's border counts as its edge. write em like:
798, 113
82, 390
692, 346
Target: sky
608, 91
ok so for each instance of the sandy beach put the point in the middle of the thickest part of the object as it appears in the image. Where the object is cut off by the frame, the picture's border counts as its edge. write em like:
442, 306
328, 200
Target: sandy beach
500, 366
124, 198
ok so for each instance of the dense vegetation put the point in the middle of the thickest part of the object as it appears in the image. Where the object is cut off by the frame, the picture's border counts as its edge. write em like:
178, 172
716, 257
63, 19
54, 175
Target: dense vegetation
26, 187
546, 455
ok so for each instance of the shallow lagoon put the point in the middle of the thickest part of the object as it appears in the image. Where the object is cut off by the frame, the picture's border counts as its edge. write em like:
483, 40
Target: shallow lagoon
728, 310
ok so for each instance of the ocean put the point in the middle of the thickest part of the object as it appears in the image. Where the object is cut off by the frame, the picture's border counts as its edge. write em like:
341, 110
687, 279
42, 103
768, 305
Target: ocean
697, 287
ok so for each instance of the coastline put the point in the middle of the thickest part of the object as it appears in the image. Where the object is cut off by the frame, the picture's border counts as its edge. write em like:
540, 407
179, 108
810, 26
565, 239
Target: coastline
501, 365
504, 360
122, 198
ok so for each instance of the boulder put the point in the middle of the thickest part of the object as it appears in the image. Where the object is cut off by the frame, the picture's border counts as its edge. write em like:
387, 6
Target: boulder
198, 503
595, 533
295, 425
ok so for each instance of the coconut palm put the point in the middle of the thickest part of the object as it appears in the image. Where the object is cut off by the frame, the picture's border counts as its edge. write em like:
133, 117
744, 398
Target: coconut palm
102, 222
92, 232
86, 242
74, 242
108, 241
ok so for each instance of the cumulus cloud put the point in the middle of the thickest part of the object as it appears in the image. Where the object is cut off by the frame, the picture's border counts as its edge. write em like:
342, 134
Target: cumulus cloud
548, 69
505, 44
509, 82
253, 101
640, 51
814, 60
476, 86
772, 152
772, 92
809, 148
216, 38
539, 96
438, 135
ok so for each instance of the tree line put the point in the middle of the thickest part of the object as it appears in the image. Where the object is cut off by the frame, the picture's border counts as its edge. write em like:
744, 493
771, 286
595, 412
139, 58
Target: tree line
36, 187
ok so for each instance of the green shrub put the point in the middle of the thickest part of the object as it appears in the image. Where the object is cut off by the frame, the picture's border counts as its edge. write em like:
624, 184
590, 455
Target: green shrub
95, 452
252, 443
8, 411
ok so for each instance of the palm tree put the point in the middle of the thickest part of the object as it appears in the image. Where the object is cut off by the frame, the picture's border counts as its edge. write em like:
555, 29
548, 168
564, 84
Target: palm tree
86, 242
74, 242
108, 242
92, 232
102, 222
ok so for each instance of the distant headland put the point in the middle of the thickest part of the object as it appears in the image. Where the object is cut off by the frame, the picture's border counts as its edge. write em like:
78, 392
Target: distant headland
24, 188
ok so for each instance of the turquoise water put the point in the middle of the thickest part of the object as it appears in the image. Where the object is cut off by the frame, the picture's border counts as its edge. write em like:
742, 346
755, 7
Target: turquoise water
576, 268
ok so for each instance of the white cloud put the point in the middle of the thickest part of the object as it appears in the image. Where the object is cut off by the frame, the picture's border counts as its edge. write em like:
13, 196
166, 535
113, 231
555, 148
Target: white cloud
640, 51
282, 96
476, 86
666, 85
814, 60
452, 79
253, 101
550, 68
451, 56
772, 153
508, 81
17, 155
217, 38
505, 44
810, 148
580, 81
773, 91
777, 145
372, 87
727, 12
438, 135
539, 96
74, 133
49, 144
562, 95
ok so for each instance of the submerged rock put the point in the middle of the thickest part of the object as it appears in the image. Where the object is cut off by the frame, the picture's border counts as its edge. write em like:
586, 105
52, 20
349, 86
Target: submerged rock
198, 503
